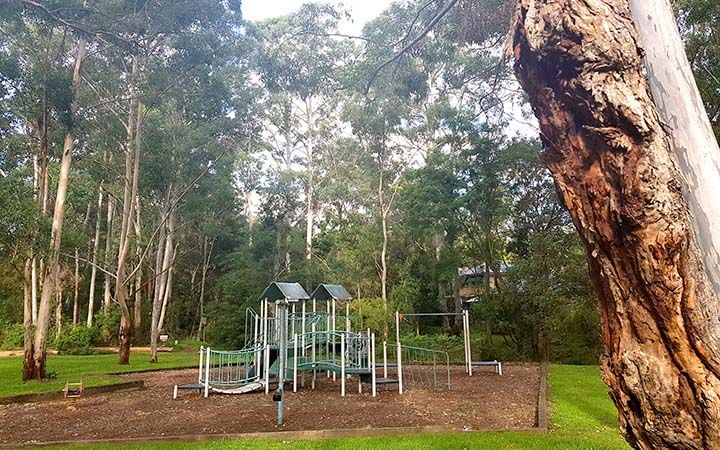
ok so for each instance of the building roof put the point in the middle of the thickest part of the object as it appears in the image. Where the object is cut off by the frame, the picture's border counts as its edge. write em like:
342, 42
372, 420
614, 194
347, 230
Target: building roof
330, 292
281, 291
479, 270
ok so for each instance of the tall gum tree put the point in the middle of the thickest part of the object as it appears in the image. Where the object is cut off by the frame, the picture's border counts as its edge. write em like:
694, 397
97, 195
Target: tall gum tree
616, 172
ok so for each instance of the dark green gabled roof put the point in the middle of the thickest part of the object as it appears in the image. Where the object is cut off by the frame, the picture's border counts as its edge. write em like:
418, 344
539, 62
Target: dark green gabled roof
331, 291
281, 291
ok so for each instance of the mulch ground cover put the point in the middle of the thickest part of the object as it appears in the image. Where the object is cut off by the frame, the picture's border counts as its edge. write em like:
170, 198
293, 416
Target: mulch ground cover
484, 401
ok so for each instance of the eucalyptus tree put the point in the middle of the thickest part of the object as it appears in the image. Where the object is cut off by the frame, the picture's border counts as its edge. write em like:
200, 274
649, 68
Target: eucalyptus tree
300, 57
636, 164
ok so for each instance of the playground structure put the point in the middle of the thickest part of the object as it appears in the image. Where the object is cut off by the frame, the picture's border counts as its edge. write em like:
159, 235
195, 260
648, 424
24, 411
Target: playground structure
294, 338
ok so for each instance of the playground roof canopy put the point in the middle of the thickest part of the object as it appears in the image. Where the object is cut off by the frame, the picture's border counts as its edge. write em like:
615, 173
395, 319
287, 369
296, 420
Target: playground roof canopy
330, 292
280, 291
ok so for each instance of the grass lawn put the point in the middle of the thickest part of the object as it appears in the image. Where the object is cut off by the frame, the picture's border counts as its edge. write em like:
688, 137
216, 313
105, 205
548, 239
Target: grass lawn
583, 417
93, 370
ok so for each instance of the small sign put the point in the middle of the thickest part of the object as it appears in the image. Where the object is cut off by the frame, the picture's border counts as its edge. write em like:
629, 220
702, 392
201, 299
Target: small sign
164, 337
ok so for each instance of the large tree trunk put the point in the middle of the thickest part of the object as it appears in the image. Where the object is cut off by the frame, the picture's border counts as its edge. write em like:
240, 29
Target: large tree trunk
76, 287
93, 268
137, 314
51, 275
108, 248
615, 171
132, 172
161, 282
678, 102
28, 366
207, 254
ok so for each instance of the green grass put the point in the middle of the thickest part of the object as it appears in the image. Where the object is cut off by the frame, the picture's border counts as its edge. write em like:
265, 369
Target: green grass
583, 418
93, 369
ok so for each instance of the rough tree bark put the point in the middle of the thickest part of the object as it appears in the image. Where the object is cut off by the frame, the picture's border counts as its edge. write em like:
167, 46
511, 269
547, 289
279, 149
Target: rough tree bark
615, 171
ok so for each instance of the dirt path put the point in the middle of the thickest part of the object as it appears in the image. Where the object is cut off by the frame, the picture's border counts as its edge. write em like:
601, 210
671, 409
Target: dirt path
485, 401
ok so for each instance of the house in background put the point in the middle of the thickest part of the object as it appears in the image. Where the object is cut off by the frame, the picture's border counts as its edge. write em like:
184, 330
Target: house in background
474, 280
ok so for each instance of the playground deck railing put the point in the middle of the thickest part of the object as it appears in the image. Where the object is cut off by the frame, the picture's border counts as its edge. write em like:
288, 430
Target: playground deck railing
229, 369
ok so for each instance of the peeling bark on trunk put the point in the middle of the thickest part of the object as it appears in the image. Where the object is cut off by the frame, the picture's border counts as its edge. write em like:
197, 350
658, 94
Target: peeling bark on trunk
616, 173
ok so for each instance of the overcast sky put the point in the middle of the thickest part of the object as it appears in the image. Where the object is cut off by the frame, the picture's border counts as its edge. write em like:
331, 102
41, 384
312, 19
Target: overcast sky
361, 10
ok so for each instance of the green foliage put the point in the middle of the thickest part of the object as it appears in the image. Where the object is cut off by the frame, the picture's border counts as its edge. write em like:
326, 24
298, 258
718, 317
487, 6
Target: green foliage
11, 336
77, 340
546, 305
372, 313
698, 21
108, 323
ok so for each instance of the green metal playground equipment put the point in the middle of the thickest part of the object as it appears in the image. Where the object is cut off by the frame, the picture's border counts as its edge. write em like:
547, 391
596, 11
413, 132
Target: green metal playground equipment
290, 337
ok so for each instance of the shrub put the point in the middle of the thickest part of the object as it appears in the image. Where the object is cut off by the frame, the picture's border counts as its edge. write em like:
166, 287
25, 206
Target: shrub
77, 341
11, 336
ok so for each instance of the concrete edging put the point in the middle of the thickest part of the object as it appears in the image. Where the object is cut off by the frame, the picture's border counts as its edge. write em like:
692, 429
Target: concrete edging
284, 435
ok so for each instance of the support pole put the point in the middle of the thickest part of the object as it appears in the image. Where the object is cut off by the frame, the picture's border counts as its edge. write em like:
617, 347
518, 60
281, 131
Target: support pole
333, 329
302, 341
373, 376
282, 309
267, 369
342, 365
200, 369
397, 326
207, 372
347, 316
469, 348
399, 352
399, 368
292, 324
313, 350
295, 358
384, 359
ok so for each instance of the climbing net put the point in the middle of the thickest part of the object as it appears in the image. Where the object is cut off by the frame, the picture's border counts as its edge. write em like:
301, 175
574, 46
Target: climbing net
420, 366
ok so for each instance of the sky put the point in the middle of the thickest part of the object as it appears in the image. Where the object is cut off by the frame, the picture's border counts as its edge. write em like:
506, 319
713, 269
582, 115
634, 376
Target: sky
362, 10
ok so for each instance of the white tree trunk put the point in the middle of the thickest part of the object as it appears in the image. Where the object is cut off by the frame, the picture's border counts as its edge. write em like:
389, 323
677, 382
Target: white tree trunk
161, 286
678, 102
93, 269
51, 277
137, 316
108, 248
168, 291
76, 287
